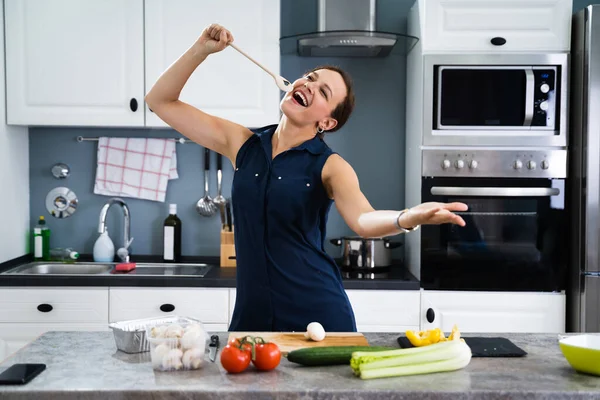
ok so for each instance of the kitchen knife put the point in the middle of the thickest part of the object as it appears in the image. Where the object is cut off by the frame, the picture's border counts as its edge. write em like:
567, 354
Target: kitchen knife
228, 217
213, 347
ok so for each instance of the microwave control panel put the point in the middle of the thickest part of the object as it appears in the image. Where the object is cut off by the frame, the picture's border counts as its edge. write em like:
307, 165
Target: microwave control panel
544, 97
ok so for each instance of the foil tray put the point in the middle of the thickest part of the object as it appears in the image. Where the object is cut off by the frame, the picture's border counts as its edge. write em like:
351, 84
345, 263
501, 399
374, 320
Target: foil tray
130, 336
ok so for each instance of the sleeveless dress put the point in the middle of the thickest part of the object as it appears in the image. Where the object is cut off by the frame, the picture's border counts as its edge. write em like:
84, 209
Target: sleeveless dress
285, 279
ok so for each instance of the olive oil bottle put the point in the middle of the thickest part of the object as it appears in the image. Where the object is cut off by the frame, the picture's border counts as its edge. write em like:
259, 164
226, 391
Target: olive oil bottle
172, 236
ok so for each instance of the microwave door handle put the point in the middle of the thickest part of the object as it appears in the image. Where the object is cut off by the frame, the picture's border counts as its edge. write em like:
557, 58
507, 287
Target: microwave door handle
495, 191
529, 96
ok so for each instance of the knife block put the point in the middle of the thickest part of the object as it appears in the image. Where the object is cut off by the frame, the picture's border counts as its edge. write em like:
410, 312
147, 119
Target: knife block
228, 249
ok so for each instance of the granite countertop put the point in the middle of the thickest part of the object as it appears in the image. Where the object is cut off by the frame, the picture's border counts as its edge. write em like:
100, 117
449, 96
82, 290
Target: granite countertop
396, 277
86, 365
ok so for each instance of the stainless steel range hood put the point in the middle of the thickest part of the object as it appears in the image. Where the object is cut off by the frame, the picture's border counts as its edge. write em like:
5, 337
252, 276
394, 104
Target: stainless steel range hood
346, 28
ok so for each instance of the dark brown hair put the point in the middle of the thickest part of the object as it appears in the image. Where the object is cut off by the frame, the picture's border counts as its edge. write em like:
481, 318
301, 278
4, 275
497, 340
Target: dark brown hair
342, 111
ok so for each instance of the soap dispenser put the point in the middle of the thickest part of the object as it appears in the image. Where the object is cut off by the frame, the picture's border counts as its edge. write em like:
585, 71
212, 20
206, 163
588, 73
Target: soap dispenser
104, 249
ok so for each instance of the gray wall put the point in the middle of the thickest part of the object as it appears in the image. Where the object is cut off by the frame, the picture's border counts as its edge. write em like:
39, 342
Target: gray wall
372, 142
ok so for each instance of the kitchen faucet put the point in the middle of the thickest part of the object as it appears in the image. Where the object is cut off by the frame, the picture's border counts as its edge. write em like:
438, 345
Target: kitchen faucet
123, 253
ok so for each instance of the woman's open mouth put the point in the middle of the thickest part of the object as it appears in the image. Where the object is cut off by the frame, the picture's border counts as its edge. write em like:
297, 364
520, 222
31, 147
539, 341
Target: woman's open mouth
300, 98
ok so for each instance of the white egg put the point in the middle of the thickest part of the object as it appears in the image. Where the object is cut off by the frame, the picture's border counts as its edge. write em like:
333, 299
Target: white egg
191, 339
193, 358
158, 353
172, 360
315, 331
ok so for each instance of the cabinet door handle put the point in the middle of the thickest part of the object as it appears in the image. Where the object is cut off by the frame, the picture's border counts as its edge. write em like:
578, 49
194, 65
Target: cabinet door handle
167, 307
498, 41
430, 315
133, 104
44, 308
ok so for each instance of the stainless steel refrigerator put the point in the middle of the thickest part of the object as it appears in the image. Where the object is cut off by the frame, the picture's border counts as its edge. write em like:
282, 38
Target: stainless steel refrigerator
583, 297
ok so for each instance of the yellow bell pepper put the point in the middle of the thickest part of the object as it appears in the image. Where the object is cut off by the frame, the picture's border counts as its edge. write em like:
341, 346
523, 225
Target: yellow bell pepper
424, 338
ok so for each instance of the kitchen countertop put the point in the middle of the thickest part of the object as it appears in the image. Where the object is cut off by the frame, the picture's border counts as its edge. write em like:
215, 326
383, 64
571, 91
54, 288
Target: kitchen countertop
86, 365
398, 278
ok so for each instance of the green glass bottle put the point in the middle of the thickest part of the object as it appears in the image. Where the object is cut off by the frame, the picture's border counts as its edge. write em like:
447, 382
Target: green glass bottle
41, 241
172, 236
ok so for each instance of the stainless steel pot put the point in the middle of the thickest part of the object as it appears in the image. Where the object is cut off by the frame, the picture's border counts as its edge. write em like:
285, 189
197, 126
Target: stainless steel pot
358, 252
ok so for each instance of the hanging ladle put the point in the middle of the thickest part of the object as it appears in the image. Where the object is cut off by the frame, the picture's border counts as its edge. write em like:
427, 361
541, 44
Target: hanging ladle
281, 82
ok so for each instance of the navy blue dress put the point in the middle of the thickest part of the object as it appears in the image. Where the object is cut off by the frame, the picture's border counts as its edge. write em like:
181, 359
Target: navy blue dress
285, 279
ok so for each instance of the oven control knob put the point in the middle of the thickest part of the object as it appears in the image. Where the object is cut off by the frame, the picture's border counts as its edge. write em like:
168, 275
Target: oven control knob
545, 164
460, 164
473, 164
531, 164
545, 88
518, 164
544, 105
446, 164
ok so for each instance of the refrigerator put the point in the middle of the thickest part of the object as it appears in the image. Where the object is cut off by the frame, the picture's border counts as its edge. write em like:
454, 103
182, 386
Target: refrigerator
583, 294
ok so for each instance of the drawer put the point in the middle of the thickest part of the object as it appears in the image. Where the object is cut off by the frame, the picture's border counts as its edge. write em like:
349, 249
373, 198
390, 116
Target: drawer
209, 305
469, 25
43, 305
385, 310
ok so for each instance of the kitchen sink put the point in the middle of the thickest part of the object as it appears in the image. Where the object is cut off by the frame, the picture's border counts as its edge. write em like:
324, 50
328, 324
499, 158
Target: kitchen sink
81, 268
197, 270
61, 269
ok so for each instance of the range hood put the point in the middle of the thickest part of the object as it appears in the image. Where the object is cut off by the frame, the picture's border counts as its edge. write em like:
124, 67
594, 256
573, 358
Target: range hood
346, 28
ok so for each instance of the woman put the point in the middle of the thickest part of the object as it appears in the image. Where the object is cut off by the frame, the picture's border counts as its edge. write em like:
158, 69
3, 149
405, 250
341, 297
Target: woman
285, 181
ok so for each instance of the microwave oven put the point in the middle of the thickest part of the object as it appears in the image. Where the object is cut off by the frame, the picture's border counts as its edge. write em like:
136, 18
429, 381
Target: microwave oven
495, 100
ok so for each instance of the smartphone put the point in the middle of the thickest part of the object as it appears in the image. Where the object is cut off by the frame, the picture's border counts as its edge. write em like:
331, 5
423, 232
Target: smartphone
19, 374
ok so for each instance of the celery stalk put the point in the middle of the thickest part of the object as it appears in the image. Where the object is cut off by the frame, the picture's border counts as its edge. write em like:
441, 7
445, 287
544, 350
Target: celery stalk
362, 357
441, 353
440, 357
451, 364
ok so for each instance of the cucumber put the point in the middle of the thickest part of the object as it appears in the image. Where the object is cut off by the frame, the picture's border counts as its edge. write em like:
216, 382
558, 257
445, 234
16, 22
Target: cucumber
328, 355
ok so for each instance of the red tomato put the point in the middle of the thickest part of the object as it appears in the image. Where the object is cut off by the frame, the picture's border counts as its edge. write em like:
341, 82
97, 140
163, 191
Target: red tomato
267, 356
235, 360
237, 341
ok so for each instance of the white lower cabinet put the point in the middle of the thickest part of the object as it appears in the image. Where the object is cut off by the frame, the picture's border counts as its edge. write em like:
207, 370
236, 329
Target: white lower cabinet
209, 305
500, 312
385, 310
26, 313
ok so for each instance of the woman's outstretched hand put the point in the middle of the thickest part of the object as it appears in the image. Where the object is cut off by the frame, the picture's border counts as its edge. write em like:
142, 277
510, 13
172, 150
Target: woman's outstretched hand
433, 214
214, 38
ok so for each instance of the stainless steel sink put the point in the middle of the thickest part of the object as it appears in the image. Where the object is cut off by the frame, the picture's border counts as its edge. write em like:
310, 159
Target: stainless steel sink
196, 270
142, 269
61, 269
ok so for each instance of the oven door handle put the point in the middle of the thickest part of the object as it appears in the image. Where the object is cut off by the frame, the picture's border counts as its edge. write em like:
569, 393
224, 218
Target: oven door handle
495, 191
529, 96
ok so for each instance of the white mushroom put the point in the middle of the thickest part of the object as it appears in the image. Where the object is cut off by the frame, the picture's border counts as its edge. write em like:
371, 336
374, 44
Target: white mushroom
315, 331
192, 338
158, 353
174, 331
172, 360
193, 358
158, 331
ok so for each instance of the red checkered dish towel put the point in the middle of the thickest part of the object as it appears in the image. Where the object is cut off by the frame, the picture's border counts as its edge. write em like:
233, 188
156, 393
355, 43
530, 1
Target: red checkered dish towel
139, 168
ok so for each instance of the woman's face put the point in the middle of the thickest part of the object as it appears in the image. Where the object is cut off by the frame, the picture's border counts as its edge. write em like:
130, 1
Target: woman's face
314, 98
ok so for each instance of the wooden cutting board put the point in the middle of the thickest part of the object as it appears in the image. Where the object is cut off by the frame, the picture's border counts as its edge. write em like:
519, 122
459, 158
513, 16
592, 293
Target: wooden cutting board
288, 341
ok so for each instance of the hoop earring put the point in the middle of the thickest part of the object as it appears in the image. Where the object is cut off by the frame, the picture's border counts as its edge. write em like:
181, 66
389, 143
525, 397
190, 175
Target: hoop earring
320, 130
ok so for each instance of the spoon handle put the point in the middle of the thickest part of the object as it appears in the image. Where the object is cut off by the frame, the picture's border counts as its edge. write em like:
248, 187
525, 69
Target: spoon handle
252, 59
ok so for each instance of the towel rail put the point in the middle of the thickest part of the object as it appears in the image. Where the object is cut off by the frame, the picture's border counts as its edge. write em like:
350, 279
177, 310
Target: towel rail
95, 139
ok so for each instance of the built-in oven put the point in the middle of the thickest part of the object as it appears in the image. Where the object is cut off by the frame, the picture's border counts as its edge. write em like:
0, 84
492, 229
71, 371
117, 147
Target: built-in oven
496, 100
515, 237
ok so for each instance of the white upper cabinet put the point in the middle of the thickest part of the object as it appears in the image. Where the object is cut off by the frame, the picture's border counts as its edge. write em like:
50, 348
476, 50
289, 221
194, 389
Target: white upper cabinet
75, 62
90, 62
475, 25
227, 84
